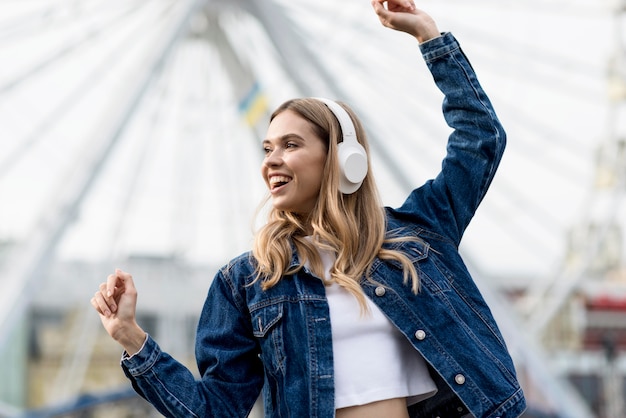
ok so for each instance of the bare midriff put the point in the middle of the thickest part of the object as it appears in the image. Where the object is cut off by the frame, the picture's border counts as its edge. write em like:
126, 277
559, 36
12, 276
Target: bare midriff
388, 408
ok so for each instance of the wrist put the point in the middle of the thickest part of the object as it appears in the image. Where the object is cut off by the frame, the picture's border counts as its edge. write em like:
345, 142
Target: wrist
131, 338
427, 31
428, 35
423, 40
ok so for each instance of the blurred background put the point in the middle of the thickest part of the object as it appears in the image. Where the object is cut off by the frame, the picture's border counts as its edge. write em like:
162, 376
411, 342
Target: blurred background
130, 137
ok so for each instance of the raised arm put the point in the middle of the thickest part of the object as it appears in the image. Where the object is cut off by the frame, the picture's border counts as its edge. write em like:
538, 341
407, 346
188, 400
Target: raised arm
447, 204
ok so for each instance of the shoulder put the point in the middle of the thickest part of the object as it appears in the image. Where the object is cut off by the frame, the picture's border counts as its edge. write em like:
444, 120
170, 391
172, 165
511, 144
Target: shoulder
240, 269
412, 226
233, 282
406, 220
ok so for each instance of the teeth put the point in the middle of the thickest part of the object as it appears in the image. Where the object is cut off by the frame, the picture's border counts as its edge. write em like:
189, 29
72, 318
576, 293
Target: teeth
279, 179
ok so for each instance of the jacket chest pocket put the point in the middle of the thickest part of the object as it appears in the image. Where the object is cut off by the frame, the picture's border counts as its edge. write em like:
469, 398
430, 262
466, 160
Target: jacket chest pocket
267, 325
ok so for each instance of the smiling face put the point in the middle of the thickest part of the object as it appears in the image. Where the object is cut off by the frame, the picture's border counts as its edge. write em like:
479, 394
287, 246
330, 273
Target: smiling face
294, 162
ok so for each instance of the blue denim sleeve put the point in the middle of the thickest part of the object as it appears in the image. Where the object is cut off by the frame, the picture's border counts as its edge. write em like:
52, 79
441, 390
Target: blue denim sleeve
475, 147
231, 374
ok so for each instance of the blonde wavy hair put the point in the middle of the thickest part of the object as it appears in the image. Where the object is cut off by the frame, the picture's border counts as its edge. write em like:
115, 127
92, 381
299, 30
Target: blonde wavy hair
351, 226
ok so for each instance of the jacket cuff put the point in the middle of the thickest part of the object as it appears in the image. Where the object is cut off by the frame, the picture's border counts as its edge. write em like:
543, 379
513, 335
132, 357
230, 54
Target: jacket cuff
439, 46
144, 359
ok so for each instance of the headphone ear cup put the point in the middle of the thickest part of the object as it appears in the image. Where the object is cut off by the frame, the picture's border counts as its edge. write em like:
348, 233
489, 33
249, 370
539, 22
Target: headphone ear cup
351, 155
352, 164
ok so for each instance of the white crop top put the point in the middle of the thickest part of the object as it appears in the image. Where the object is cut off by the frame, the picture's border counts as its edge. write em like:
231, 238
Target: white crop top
373, 360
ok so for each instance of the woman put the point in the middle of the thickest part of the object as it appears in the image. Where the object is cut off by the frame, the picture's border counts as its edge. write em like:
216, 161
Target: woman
411, 335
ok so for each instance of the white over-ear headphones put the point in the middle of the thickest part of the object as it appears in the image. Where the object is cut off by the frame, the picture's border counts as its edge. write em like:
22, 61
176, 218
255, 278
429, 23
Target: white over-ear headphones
351, 155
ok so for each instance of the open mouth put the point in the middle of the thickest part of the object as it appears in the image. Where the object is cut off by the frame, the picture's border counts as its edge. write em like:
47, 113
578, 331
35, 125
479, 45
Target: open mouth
277, 182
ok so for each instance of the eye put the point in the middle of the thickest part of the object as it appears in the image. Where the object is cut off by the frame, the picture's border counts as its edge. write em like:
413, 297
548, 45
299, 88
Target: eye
266, 150
291, 145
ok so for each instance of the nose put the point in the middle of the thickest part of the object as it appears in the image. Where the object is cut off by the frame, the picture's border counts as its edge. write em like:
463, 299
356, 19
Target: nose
273, 158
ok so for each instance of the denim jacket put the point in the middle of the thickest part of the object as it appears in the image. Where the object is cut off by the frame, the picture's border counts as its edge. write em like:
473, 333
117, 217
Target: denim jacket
280, 339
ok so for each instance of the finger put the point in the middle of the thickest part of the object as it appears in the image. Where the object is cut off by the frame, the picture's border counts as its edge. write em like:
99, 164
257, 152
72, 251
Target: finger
387, 15
108, 287
124, 275
95, 304
381, 12
395, 5
119, 279
378, 5
97, 307
100, 304
110, 300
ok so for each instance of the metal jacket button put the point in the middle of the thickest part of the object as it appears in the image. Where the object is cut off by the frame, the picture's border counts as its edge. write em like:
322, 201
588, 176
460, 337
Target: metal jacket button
380, 291
420, 334
459, 378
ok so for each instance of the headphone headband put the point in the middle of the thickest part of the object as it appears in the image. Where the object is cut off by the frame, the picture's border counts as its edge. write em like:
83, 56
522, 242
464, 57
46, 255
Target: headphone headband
347, 127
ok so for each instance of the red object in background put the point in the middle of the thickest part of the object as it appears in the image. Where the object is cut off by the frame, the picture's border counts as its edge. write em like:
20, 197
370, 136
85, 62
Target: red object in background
607, 303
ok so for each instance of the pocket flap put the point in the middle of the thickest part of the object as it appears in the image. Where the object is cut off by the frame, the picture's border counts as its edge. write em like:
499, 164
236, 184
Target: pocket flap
264, 319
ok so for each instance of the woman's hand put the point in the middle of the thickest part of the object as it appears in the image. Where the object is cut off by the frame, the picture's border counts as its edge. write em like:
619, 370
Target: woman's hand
402, 15
116, 301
